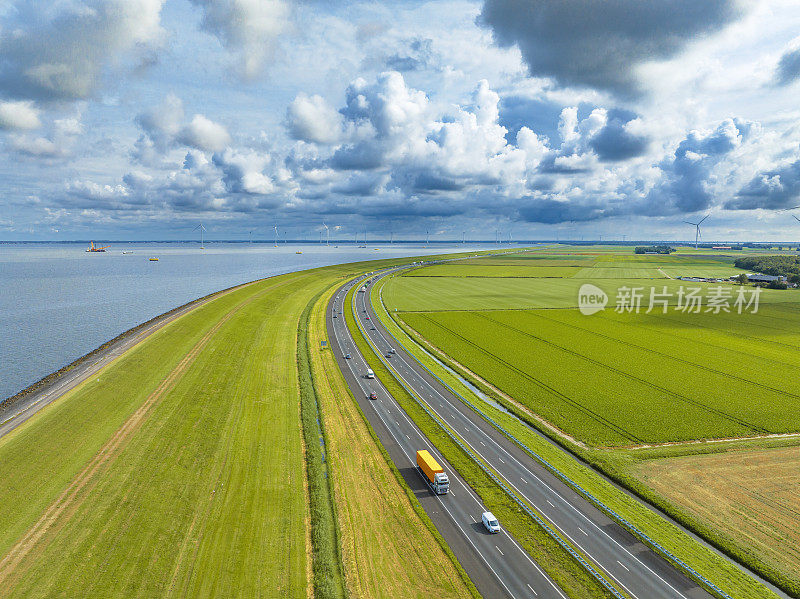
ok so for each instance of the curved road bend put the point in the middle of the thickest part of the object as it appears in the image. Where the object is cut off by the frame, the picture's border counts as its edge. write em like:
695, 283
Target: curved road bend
635, 567
496, 563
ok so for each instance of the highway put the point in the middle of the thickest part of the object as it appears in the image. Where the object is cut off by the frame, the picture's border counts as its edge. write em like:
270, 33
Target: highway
637, 570
496, 563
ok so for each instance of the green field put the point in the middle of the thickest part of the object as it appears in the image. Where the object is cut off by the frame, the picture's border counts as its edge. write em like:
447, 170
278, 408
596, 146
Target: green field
426, 294
611, 379
494, 270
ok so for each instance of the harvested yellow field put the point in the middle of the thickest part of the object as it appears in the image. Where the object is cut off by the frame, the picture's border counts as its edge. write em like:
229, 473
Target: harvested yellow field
752, 497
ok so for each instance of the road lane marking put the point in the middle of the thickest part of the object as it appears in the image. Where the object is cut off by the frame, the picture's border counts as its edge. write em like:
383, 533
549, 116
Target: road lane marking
531, 588
623, 565
500, 550
583, 531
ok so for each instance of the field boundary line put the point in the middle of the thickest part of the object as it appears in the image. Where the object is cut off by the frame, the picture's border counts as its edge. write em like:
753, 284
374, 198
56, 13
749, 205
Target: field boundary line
572, 484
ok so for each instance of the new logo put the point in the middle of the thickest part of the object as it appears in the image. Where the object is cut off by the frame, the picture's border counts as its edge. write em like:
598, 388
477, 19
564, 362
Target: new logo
591, 299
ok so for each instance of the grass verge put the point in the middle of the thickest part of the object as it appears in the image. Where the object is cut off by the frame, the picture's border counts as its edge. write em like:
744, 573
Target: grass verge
327, 559
567, 573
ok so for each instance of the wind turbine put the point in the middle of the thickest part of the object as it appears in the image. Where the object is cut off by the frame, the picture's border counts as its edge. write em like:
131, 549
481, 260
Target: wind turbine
427, 237
697, 229
391, 237
202, 228
327, 234
276, 235
463, 237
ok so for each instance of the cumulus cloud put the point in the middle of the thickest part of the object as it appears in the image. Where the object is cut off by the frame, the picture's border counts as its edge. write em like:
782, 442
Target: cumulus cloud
35, 146
244, 172
247, 27
163, 128
311, 119
687, 177
775, 189
600, 44
19, 115
60, 52
618, 138
204, 134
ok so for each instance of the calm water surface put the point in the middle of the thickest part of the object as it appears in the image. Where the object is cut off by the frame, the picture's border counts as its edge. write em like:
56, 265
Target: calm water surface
58, 303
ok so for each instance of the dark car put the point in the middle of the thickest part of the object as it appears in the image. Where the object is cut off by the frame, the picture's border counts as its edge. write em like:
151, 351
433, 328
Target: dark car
373, 396
347, 356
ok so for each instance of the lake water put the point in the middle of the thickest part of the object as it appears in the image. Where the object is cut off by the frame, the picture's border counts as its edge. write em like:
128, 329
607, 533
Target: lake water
58, 302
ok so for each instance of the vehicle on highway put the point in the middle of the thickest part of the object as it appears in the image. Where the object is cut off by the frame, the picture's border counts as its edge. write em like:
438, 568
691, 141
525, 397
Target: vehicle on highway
432, 472
373, 396
366, 317
392, 350
372, 328
490, 523
334, 315
370, 374
347, 356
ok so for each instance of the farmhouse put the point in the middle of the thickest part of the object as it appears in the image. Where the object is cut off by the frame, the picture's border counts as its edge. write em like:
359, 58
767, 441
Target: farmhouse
759, 278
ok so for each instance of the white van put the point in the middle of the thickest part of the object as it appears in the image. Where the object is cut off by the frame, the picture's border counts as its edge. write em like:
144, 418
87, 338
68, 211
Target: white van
370, 374
490, 522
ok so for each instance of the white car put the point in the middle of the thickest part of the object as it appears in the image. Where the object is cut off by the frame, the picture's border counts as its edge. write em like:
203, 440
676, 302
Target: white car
370, 374
490, 523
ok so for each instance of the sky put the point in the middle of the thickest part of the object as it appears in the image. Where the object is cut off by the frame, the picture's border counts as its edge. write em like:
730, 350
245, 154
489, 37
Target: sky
539, 119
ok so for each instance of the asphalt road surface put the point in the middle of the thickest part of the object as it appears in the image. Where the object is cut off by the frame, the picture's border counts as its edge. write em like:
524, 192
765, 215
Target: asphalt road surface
639, 571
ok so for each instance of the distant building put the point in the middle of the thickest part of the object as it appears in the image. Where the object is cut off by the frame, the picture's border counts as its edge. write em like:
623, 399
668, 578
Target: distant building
759, 278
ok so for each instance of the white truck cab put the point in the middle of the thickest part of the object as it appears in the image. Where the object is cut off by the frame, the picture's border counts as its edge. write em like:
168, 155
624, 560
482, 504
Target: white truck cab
370, 374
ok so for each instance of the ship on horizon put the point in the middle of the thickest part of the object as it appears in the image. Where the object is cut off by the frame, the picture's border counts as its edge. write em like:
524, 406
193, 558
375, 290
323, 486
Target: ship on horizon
93, 248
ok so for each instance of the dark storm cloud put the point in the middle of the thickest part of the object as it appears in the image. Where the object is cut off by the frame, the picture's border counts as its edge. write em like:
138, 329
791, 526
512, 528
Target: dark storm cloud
772, 190
613, 143
597, 44
788, 70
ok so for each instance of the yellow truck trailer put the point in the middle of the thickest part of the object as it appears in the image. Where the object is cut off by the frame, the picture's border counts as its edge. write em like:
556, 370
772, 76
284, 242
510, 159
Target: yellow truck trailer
432, 472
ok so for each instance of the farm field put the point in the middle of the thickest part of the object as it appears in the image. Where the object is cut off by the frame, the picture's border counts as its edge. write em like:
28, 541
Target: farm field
613, 379
426, 294
751, 497
494, 270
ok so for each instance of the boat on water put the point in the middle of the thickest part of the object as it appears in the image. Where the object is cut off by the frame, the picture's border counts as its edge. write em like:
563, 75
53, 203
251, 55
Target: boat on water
127, 252
153, 259
93, 248
298, 252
